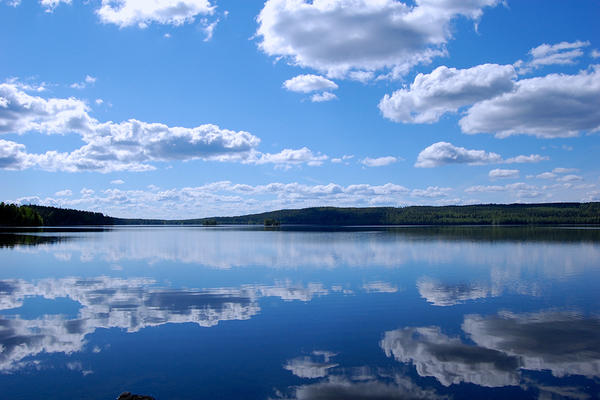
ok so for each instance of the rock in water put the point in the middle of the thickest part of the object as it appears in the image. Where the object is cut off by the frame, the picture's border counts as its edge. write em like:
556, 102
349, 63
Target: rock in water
129, 396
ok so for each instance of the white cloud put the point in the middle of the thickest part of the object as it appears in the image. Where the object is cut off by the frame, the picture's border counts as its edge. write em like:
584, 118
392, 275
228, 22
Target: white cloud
13, 156
595, 54
519, 189
354, 38
126, 13
50, 5
378, 162
88, 80
99, 101
64, 193
561, 170
504, 173
117, 182
13, 3
532, 158
321, 97
343, 159
446, 90
287, 158
443, 153
546, 175
570, 178
129, 145
555, 105
23, 112
564, 53
209, 28
431, 192
309, 83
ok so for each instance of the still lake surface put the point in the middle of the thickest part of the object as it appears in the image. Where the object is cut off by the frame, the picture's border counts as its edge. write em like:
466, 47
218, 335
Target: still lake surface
302, 313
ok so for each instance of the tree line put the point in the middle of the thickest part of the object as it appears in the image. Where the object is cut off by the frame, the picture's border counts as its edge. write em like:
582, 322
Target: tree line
484, 214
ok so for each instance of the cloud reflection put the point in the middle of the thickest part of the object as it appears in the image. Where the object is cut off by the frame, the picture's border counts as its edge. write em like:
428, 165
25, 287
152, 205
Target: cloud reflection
129, 304
440, 294
375, 387
504, 345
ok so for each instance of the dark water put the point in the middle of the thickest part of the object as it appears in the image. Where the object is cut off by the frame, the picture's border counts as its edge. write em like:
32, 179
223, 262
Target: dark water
239, 313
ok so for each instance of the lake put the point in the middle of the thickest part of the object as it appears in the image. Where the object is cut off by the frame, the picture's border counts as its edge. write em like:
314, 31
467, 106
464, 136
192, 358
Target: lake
300, 313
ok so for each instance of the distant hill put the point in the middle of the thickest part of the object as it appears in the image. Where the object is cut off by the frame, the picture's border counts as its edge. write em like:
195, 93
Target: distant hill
485, 214
488, 214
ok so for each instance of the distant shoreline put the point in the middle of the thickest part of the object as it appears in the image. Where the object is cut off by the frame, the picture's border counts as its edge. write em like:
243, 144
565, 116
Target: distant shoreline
582, 214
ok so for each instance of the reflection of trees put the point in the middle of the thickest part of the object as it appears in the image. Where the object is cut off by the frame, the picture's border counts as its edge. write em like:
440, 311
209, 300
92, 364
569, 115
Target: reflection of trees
12, 240
130, 304
564, 343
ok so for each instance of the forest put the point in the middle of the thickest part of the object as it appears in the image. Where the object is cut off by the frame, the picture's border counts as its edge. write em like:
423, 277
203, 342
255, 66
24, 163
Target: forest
485, 214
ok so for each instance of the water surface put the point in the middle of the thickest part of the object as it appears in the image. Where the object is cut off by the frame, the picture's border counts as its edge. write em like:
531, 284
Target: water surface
302, 313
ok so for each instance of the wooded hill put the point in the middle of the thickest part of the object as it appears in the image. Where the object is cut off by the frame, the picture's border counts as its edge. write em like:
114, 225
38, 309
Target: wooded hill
486, 214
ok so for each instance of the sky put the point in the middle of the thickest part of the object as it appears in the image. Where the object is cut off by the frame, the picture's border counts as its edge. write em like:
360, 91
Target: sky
196, 108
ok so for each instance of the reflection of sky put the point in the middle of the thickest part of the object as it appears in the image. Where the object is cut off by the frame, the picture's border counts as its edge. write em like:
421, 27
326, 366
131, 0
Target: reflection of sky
130, 304
245, 248
297, 291
505, 344
366, 385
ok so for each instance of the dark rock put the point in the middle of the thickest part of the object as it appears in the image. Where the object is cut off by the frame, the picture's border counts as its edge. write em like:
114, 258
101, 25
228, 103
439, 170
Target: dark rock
129, 396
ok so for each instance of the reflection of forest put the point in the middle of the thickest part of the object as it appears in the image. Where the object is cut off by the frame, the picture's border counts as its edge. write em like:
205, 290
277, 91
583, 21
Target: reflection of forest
10, 240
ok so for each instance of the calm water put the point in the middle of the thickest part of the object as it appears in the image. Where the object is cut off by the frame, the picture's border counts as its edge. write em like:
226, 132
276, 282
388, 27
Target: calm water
241, 313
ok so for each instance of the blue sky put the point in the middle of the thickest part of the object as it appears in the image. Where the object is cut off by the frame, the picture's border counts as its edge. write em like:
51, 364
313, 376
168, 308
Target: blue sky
191, 108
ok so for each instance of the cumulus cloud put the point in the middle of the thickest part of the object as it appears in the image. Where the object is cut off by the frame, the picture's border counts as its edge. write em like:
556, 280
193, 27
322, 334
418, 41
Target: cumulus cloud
520, 189
126, 13
309, 83
227, 198
446, 90
532, 158
64, 193
443, 153
564, 53
562, 170
126, 146
321, 97
50, 5
88, 80
504, 173
378, 162
555, 105
13, 156
287, 158
117, 182
355, 38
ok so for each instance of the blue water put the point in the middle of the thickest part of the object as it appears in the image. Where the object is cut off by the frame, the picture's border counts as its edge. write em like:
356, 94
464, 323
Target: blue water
302, 313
